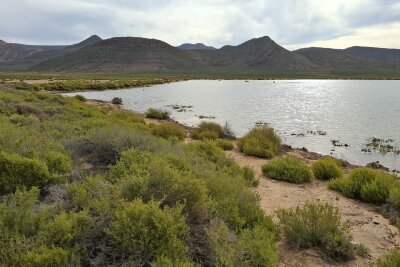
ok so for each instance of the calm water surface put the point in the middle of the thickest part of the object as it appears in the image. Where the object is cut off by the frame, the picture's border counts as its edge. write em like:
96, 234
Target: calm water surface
348, 111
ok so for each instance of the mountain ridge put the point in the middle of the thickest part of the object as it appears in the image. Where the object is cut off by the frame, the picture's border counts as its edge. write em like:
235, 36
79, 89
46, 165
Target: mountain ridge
135, 54
189, 46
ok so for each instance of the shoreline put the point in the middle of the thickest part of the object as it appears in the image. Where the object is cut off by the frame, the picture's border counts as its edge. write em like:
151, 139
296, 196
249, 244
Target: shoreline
368, 225
285, 148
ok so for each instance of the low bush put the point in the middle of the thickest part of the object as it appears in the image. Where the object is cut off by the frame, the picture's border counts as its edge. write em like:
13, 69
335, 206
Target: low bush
326, 169
318, 225
369, 185
392, 259
255, 247
157, 232
224, 144
16, 171
168, 130
207, 131
80, 98
105, 146
117, 101
394, 195
260, 142
158, 114
289, 169
228, 133
250, 177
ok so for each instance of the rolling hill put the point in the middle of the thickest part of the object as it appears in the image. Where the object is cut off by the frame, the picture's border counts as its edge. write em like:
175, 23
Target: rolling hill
188, 46
126, 54
257, 53
353, 57
135, 54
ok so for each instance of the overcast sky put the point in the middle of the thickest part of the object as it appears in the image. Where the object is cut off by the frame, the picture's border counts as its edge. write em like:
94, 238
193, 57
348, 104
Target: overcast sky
291, 23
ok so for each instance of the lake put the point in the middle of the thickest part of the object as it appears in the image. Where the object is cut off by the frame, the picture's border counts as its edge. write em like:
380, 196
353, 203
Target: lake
313, 114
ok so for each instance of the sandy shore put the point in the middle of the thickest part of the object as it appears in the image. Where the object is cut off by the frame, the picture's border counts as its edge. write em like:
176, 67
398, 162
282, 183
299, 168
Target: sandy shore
368, 226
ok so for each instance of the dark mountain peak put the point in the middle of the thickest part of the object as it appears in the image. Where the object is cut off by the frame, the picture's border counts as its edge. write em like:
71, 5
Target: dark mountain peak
2, 42
88, 41
264, 42
188, 46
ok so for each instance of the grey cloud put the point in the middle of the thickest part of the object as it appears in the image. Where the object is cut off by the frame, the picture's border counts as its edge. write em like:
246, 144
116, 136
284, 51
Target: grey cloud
216, 22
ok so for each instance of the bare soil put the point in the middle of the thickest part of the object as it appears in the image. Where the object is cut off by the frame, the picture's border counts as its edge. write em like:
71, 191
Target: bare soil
368, 226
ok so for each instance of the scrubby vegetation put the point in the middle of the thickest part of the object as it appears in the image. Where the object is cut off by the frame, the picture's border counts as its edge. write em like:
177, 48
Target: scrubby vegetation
260, 142
369, 185
288, 169
224, 144
86, 84
317, 225
117, 101
327, 169
88, 186
169, 130
392, 259
158, 114
207, 131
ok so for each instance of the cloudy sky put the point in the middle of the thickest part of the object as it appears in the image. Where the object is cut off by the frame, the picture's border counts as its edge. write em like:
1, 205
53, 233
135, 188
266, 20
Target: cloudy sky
291, 23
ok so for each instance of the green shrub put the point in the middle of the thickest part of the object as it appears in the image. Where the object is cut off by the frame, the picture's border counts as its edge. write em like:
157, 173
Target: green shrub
117, 101
326, 169
207, 131
250, 177
221, 241
288, 169
208, 135
47, 257
59, 164
158, 114
392, 259
147, 232
224, 144
168, 130
147, 176
366, 184
394, 195
318, 225
80, 98
260, 142
256, 248
16, 171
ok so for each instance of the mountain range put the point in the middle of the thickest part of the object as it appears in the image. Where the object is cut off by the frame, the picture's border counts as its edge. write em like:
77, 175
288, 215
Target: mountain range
135, 54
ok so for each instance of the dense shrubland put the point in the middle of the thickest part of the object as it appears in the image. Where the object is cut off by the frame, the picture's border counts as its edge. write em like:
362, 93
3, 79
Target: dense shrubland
87, 186
86, 84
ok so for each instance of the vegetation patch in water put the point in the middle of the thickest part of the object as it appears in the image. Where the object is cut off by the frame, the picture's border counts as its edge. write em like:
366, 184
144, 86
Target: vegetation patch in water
158, 114
380, 145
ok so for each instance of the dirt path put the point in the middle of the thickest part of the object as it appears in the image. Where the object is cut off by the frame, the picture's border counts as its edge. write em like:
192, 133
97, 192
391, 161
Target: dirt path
368, 227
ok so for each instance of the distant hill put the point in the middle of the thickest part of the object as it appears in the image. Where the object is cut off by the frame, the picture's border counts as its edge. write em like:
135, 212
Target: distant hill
373, 53
127, 54
188, 46
10, 52
261, 53
351, 57
23, 56
47, 54
258, 55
